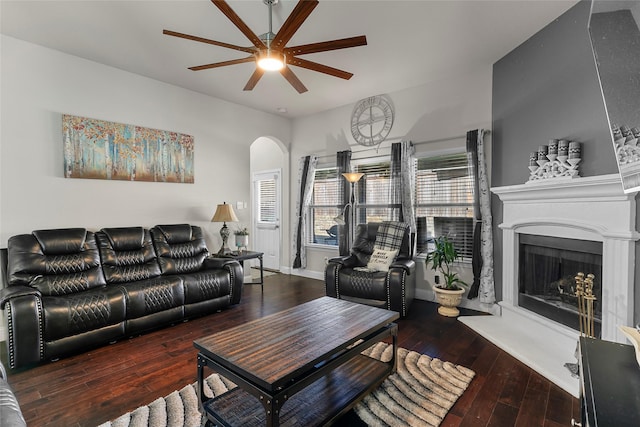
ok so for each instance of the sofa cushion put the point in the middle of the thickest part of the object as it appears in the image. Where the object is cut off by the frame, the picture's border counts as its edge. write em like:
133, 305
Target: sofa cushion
55, 268
181, 248
83, 311
127, 254
125, 239
154, 295
63, 241
363, 284
206, 285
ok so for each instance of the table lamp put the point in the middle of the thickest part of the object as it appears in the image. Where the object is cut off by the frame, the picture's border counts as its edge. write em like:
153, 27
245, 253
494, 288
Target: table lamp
224, 213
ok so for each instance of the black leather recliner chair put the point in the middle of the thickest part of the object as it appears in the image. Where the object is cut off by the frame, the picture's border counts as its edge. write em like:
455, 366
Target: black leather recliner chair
392, 290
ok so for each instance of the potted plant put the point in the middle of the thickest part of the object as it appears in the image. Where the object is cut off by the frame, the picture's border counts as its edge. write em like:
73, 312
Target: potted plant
449, 293
242, 238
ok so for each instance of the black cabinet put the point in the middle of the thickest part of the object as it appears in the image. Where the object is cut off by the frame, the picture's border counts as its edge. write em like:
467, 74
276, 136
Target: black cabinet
609, 384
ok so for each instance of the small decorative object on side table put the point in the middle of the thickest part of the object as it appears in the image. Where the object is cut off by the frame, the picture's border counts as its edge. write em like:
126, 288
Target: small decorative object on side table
242, 238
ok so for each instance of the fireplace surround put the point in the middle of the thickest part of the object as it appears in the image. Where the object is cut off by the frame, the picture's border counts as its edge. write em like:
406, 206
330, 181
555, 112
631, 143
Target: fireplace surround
593, 209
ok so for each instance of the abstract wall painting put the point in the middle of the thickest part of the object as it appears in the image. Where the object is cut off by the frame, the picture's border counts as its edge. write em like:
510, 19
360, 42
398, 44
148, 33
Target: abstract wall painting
98, 149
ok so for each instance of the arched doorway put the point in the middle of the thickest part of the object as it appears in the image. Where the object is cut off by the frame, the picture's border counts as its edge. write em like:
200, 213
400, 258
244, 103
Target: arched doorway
269, 165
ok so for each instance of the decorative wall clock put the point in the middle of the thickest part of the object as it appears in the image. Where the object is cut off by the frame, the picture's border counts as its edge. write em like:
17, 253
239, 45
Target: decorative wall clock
371, 120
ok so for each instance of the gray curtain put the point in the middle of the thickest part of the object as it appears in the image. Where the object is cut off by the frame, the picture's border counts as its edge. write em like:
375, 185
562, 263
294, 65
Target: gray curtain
403, 182
343, 163
482, 262
306, 175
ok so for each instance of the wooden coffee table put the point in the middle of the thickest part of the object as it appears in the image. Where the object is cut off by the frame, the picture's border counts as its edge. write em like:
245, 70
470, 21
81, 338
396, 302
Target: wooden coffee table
299, 367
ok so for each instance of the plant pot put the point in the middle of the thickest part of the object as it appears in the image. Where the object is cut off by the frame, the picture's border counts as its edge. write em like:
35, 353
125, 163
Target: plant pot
242, 241
448, 300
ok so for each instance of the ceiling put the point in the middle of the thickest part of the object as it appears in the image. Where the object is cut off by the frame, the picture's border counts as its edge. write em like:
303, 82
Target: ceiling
410, 43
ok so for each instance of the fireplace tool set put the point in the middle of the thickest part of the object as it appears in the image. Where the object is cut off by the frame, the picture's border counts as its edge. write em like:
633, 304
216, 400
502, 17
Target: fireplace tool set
586, 299
586, 314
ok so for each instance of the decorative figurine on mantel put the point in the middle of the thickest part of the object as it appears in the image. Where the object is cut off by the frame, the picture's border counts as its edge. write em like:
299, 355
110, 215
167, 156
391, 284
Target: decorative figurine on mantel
559, 159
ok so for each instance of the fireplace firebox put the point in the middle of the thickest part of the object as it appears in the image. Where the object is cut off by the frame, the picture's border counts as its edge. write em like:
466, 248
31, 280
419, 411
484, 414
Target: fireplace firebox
547, 269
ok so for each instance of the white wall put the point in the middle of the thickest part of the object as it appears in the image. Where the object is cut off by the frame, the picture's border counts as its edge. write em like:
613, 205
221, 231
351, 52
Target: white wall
433, 112
38, 84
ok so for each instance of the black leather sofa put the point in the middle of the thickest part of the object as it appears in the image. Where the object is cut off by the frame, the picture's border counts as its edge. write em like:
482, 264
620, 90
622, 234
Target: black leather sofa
68, 290
392, 290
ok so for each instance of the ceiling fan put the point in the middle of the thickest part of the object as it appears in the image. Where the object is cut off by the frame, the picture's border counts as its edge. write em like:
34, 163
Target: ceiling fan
269, 50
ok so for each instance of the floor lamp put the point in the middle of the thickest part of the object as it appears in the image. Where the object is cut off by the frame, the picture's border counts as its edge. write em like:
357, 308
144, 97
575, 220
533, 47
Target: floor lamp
224, 213
352, 178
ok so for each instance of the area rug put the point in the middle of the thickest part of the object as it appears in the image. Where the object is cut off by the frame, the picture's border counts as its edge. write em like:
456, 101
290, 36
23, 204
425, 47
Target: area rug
420, 393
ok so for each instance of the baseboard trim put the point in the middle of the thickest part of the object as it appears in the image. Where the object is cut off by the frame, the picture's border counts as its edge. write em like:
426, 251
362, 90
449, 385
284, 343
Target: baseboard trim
310, 274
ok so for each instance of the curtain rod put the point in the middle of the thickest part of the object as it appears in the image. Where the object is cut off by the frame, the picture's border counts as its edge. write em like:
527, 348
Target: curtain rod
449, 138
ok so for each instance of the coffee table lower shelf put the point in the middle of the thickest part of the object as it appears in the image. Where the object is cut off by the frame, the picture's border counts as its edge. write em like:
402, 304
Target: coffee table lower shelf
320, 403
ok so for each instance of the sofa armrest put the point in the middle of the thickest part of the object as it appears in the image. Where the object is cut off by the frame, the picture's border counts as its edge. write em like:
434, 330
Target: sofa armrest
401, 285
406, 264
25, 343
346, 261
213, 263
15, 292
236, 274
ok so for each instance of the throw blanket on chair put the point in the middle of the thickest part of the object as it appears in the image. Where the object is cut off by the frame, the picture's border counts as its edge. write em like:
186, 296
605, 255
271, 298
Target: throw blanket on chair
386, 247
390, 234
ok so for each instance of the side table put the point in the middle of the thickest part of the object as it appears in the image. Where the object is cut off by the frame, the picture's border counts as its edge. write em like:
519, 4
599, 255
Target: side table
245, 255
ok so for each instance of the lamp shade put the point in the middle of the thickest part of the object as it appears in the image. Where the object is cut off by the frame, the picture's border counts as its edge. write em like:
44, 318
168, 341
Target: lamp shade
353, 176
224, 213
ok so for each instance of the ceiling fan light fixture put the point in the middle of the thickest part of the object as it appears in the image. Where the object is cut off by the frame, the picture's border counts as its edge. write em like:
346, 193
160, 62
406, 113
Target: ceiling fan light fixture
271, 60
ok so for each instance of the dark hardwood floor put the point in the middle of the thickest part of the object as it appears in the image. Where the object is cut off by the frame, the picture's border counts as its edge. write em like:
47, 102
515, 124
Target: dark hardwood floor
102, 384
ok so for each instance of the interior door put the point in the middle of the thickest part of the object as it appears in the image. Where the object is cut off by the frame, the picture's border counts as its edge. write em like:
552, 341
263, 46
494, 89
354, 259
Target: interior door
266, 214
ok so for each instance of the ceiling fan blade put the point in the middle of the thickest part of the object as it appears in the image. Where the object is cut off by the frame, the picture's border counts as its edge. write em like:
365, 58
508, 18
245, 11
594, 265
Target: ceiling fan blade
293, 80
239, 23
326, 46
223, 63
254, 79
299, 14
208, 41
314, 66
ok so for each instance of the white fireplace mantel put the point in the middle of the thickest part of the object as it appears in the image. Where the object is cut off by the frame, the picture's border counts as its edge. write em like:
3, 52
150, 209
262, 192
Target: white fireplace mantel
590, 208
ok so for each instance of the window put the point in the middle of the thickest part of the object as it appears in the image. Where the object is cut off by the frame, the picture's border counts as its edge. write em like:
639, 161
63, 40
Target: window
444, 201
375, 194
324, 207
267, 207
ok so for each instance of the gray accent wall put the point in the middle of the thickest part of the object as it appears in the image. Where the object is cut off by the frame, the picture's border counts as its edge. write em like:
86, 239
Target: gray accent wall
547, 88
